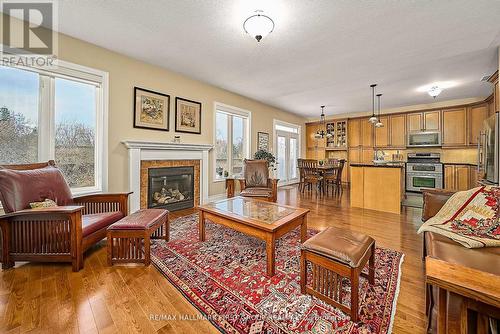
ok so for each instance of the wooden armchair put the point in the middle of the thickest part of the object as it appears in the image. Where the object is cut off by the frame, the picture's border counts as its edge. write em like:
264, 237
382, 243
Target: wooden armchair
54, 234
256, 182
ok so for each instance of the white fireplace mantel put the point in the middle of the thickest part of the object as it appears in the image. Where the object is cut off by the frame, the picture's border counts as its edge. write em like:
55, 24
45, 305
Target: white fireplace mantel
139, 150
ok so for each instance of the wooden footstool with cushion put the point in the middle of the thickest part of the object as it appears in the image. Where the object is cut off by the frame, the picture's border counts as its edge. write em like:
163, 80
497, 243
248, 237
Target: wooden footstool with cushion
129, 239
332, 253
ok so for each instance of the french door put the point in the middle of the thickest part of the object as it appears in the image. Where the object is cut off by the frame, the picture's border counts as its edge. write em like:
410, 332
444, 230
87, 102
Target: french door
287, 152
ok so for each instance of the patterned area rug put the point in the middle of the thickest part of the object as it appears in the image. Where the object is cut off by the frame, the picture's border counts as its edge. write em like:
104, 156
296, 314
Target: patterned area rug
224, 278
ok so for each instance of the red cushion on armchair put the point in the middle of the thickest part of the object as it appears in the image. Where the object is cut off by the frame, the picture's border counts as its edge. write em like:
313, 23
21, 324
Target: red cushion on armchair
19, 188
94, 222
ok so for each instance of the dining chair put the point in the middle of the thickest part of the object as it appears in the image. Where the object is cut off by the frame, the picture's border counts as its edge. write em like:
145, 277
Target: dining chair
334, 178
301, 166
312, 176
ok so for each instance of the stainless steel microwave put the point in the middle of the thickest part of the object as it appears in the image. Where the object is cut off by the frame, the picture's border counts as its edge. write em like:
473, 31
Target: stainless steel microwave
424, 139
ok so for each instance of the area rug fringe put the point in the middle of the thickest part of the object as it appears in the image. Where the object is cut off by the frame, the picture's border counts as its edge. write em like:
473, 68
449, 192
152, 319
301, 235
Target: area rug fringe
396, 295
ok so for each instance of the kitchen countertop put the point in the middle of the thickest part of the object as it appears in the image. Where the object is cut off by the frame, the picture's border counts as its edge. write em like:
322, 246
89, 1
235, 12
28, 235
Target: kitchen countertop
459, 163
387, 165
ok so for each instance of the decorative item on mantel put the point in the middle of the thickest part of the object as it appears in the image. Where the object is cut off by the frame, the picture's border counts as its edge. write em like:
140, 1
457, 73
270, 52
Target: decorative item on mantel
176, 140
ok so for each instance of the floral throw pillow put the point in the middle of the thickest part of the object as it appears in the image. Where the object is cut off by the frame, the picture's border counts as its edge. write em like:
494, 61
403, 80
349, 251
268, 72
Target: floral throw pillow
48, 203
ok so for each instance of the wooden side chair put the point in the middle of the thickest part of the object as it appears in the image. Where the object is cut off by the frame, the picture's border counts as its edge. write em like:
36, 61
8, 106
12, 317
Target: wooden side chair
300, 166
256, 182
312, 176
334, 178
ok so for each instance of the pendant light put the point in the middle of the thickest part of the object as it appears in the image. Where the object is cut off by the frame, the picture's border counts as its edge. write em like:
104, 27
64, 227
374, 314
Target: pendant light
321, 133
373, 119
379, 123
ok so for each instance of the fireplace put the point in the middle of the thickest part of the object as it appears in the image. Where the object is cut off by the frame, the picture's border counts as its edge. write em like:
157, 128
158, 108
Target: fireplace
171, 188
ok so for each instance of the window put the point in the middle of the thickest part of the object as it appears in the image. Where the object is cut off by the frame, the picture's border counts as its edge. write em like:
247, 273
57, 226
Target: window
18, 116
57, 115
231, 140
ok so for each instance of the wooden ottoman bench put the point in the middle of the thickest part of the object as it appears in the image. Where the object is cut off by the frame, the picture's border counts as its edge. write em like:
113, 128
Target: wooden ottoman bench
129, 239
332, 253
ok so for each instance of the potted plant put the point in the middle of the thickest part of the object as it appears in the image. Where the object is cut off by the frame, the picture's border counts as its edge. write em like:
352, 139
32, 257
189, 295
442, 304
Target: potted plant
269, 157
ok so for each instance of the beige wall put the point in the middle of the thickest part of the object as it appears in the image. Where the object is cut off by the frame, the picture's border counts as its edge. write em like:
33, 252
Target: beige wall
125, 73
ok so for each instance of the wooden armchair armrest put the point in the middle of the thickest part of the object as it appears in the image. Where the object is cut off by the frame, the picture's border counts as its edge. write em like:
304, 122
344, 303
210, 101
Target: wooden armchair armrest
434, 199
273, 184
107, 202
59, 229
56, 210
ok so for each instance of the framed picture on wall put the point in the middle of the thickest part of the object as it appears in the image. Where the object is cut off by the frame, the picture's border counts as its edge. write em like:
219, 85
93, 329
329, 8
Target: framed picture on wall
187, 116
151, 109
263, 141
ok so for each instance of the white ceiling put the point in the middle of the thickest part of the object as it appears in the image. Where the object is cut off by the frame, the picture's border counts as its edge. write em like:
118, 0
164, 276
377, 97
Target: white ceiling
321, 51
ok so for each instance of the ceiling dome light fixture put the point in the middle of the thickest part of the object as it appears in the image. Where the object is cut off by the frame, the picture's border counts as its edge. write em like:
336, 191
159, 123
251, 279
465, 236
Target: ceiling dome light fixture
434, 91
373, 119
259, 25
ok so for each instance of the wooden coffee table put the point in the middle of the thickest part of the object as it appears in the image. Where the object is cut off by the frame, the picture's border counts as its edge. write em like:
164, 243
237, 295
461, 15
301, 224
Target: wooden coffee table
264, 220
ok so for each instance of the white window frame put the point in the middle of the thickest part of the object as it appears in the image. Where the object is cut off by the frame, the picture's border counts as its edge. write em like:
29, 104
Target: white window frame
232, 111
290, 125
46, 119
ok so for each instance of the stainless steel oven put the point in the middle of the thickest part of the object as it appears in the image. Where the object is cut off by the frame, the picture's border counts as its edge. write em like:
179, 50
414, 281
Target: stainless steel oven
424, 170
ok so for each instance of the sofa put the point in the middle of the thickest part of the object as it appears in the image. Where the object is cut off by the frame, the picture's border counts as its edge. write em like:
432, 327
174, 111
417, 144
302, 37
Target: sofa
443, 248
60, 233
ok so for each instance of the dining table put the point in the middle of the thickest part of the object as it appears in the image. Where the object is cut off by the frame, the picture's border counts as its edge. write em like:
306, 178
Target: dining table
323, 170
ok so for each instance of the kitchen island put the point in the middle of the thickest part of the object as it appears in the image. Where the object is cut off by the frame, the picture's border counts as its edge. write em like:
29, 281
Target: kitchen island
377, 186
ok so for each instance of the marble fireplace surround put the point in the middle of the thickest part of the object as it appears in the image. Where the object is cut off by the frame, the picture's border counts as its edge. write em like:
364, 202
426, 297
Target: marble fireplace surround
141, 151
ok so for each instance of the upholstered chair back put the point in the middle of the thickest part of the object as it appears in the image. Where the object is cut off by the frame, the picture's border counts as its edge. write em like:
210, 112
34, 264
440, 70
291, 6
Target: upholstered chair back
256, 173
21, 185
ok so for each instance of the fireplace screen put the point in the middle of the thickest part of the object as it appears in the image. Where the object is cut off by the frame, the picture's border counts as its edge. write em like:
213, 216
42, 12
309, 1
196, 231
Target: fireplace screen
171, 188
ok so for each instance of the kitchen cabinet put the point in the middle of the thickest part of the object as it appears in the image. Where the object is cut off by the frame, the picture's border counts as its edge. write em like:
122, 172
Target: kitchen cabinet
454, 127
397, 131
354, 132
415, 122
496, 93
424, 121
459, 177
476, 115
366, 133
462, 179
338, 132
432, 120
473, 177
382, 134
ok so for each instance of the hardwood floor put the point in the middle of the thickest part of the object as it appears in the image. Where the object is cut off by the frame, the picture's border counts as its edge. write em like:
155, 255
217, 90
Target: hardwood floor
50, 298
